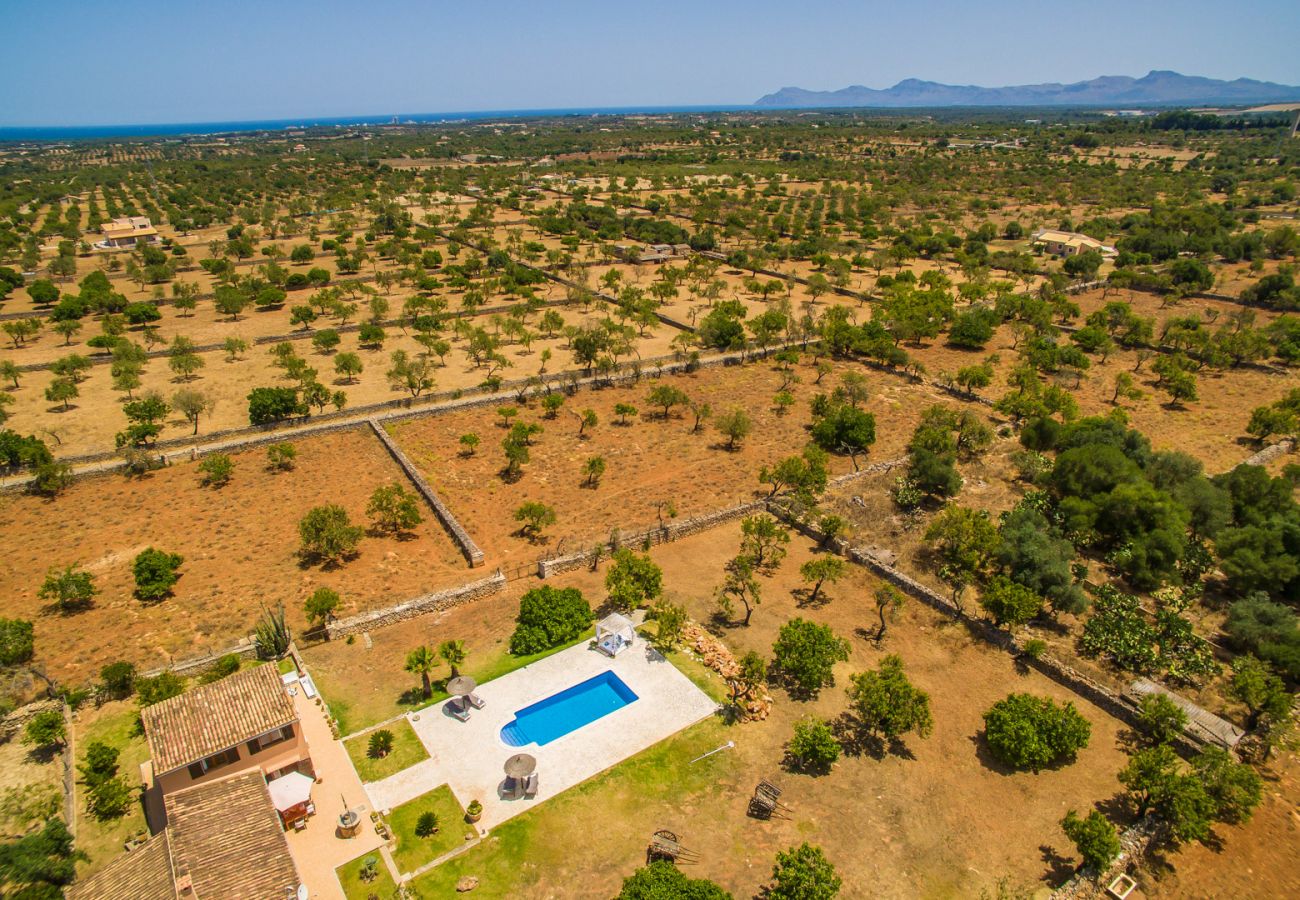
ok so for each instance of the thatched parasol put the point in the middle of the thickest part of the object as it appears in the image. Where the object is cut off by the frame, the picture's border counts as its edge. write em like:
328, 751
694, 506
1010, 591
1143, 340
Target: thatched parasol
461, 685
520, 765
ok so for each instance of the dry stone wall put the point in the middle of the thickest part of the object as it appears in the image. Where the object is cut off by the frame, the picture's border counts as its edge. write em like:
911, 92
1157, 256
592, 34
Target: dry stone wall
418, 606
671, 531
444, 514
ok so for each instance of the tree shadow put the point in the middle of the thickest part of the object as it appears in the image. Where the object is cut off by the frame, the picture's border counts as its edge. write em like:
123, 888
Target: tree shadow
66, 609
986, 757
803, 598
1059, 868
306, 560
854, 739
1116, 808
412, 697
45, 755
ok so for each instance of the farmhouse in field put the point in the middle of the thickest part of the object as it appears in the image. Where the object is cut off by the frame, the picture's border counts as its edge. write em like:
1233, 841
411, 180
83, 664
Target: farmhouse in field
1067, 243
245, 722
127, 231
223, 839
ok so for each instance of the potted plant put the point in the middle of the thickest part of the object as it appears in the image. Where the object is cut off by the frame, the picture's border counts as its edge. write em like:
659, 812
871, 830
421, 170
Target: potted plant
474, 811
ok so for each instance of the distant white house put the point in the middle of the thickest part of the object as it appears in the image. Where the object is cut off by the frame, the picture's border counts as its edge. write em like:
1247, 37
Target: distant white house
1068, 243
127, 232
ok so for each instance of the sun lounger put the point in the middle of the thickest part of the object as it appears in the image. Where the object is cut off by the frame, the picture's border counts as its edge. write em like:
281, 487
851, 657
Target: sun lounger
530, 785
475, 700
457, 709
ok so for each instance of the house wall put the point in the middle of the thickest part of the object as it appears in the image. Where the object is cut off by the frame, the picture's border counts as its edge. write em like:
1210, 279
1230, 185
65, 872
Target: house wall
280, 756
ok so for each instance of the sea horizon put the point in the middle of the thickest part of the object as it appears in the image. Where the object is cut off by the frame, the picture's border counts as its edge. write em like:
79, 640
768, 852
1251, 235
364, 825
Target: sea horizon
23, 133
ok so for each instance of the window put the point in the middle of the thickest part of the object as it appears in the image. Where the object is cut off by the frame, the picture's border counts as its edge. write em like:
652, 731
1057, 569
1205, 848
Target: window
215, 761
258, 744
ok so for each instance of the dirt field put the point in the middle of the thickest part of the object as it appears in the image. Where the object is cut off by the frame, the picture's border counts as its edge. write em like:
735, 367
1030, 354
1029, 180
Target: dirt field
649, 460
1251, 860
946, 821
240, 546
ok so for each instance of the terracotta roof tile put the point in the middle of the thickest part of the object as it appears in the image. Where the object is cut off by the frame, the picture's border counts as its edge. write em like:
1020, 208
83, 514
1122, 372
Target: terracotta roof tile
215, 717
143, 874
226, 837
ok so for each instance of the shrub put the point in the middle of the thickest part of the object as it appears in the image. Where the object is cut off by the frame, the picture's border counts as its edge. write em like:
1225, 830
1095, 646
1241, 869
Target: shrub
661, 880
533, 516
70, 589
46, 730
281, 456
394, 509
549, 617
15, 641
888, 704
380, 744
100, 764
427, 825
1094, 837
814, 747
803, 873
109, 799
217, 469
320, 606
1028, 732
223, 667
670, 619
155, 573
118, 678
633, 580
162, 686
1009, 603
805, 654
269, 404
1160, 719
327, 533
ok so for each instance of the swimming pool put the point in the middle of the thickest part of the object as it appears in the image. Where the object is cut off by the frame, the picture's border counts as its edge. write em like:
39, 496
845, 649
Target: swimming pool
567, 711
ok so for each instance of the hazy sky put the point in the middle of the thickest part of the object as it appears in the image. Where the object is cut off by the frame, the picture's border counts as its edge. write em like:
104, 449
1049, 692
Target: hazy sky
77, 62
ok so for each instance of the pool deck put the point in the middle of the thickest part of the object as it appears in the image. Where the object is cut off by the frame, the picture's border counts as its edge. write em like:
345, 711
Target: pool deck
469, 756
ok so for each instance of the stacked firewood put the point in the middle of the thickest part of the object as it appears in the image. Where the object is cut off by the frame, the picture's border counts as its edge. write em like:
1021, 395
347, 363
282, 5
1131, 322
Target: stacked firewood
715, 654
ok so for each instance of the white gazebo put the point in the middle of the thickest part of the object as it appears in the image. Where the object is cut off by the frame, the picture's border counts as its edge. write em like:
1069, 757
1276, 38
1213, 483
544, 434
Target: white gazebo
614, 634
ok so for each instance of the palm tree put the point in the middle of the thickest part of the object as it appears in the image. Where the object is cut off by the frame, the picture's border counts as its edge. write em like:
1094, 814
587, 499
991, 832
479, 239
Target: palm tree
454, 653
421, 661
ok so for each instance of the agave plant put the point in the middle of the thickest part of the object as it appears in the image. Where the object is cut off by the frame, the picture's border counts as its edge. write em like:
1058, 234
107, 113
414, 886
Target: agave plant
271, 636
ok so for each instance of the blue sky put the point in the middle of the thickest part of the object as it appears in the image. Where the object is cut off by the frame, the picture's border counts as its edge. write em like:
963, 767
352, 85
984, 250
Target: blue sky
80, 62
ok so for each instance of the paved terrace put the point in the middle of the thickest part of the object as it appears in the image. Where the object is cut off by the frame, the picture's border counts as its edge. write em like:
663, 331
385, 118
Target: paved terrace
317, 850
469, 756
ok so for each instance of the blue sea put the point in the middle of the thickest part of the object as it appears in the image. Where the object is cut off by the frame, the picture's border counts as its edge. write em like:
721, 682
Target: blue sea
190, 129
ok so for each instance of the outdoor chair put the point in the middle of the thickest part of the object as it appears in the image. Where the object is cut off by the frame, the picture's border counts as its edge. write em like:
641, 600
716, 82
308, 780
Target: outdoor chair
475, 700
530, 786
458, 710
514, 787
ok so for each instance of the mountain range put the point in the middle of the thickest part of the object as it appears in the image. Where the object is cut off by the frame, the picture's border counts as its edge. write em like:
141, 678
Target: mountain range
1156, 88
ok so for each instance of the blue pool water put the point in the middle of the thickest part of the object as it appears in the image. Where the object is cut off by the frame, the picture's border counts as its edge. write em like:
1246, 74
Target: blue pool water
568, 710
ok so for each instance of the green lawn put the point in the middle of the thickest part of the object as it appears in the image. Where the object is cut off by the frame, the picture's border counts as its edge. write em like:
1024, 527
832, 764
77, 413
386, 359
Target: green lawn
356, 711
114, 724
287, 665
356, 889
407, 751
546, 842
413, 851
